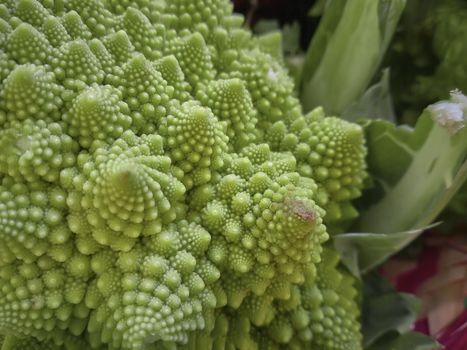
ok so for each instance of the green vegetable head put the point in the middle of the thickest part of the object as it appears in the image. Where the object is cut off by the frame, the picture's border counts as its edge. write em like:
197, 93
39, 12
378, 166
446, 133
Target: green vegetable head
159, 183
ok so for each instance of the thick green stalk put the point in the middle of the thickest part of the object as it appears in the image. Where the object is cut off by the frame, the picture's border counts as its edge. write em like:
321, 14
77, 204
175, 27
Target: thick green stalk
346, 51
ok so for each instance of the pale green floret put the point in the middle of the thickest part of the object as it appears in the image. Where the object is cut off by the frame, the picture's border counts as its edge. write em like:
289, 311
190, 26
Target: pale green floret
36, 150
329, 150
119, 45
193, 56
7, 64
75, 61
160, 187
196, 142
95, 16
274, 100
98, 113
41, 296
170, 69
168, 275
146, 93
335, 323
75, 27
321, 314
31, 219
199, 16
5, 30
28, 45
104, 57
150, 8
231, 102
126, 190
30, 92
31, 11
265, 227
143, 35
4, 13
228, 44
55, 31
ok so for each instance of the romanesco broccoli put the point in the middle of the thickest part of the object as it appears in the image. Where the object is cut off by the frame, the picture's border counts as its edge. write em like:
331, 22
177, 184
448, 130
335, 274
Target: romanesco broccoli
160, 186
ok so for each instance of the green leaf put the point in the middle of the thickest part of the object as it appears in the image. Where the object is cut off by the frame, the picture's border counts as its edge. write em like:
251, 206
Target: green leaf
459, 203
346, 51
389, 12
387, 317
415, 171
375, 103
385, 310
360, 252
409, 340
321, 38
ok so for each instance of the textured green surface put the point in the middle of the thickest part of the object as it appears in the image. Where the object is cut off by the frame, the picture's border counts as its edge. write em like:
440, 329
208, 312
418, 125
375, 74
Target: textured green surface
160, 186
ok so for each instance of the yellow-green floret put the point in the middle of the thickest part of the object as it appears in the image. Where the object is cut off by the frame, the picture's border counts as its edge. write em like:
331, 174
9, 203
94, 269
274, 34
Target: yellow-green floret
329, 150
160, 187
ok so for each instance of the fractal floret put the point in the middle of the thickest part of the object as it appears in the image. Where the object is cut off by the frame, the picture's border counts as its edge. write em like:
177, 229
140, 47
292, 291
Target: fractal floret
160, 187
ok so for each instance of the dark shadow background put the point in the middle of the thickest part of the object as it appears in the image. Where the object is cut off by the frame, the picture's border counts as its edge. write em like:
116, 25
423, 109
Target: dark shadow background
284, 11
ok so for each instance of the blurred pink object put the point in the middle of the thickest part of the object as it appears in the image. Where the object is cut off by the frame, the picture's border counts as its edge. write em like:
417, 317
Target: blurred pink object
439, 279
